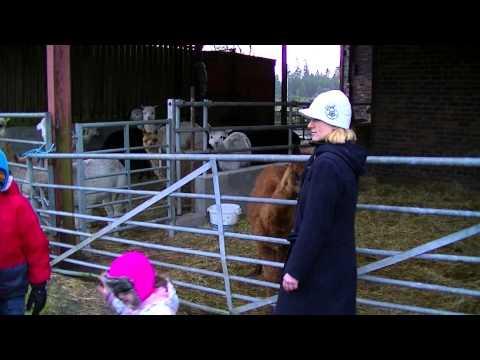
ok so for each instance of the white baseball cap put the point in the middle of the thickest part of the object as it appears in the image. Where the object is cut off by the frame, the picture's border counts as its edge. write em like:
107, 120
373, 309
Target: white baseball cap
332, 107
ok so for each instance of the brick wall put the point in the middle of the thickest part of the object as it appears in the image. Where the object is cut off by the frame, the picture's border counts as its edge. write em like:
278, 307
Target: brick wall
358, 87
426, 102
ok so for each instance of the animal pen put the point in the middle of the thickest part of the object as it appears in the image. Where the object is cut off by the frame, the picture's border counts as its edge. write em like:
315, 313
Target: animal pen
234, 302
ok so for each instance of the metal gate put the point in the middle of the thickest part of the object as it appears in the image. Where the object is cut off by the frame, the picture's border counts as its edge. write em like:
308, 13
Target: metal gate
225, 259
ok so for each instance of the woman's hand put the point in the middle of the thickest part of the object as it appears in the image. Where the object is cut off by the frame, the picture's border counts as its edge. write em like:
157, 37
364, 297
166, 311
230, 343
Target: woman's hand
289, 283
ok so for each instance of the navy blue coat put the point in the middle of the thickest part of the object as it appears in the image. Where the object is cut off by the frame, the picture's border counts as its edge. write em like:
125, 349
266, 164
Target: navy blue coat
322, 243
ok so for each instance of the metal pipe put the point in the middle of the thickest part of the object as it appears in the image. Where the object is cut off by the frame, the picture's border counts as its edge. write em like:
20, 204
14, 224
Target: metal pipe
205, 125
424, 161
419, 211
177, 150
82, 206
102, 124
170, 170
399, 160
205, 308
284, 84
126, 144
244, 127
421, 286
30, 142
24, 115
37, 168
433, 257
255, 305
183, 103
221, 239
406, 308
433, 245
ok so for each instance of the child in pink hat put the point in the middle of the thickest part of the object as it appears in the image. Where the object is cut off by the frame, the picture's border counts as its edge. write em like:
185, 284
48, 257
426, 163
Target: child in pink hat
129, 287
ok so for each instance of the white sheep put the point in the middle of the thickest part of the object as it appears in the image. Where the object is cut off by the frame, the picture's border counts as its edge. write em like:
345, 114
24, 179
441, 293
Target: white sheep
234, 143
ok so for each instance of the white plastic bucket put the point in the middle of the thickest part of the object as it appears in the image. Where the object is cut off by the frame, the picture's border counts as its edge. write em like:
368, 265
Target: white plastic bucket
230, 214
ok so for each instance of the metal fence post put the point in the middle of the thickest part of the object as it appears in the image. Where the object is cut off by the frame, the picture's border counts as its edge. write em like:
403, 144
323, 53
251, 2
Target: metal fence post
221, 235
205, 125
82, 200
178, 149
290, 130
31, 193
126, 145
50, 173
169, 163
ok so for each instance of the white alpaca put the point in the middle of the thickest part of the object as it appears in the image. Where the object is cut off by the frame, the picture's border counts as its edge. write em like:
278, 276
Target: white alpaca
89, 134
92, 168
42, 127
148, 113
233, 143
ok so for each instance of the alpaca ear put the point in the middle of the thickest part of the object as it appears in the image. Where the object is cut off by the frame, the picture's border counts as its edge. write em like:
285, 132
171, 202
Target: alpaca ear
286, 176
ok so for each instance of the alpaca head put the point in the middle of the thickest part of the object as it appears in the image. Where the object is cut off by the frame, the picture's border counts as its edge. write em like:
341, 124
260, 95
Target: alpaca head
150, 139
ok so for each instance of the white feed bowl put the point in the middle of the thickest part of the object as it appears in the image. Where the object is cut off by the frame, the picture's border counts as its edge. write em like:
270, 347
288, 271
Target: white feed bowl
230, 214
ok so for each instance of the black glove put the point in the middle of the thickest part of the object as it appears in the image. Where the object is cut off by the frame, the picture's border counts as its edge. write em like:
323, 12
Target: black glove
37, 298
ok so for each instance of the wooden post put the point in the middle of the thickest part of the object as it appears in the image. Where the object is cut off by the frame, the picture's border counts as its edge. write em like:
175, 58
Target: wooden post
284, 85
342, 67
60, 107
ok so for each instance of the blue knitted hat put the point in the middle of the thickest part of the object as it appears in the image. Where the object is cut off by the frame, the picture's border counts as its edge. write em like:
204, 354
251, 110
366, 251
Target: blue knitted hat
4, 169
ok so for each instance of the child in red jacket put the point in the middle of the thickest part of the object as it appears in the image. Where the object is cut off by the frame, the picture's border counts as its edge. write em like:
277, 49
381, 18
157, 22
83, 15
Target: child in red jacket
24, 255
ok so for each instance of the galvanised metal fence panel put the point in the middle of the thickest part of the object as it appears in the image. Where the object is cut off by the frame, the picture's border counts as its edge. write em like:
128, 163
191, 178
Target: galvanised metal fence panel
81, 147
390, 257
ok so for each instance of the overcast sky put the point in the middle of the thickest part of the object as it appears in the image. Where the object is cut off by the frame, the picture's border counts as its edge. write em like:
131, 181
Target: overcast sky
318, 57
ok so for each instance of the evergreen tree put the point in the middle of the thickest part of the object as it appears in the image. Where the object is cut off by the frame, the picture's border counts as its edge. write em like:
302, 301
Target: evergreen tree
304, 86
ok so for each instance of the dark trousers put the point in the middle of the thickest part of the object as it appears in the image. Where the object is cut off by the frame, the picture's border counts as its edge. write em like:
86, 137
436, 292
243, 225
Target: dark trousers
12, 306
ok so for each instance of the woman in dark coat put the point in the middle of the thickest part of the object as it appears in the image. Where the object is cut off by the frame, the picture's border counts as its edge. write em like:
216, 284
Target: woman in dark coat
320, 275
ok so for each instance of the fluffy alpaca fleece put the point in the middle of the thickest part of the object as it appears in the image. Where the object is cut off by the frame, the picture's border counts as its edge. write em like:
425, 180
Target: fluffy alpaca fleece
150, 142
278, 182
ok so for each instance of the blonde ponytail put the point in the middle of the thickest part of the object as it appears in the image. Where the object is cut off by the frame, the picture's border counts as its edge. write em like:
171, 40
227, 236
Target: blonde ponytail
341, 136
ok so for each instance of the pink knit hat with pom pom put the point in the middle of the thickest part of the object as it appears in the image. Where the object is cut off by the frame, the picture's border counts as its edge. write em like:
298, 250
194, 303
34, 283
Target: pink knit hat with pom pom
137, 268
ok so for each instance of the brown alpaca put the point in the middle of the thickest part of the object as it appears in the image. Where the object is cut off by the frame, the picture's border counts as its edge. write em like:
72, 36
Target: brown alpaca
150, 141
277, 182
